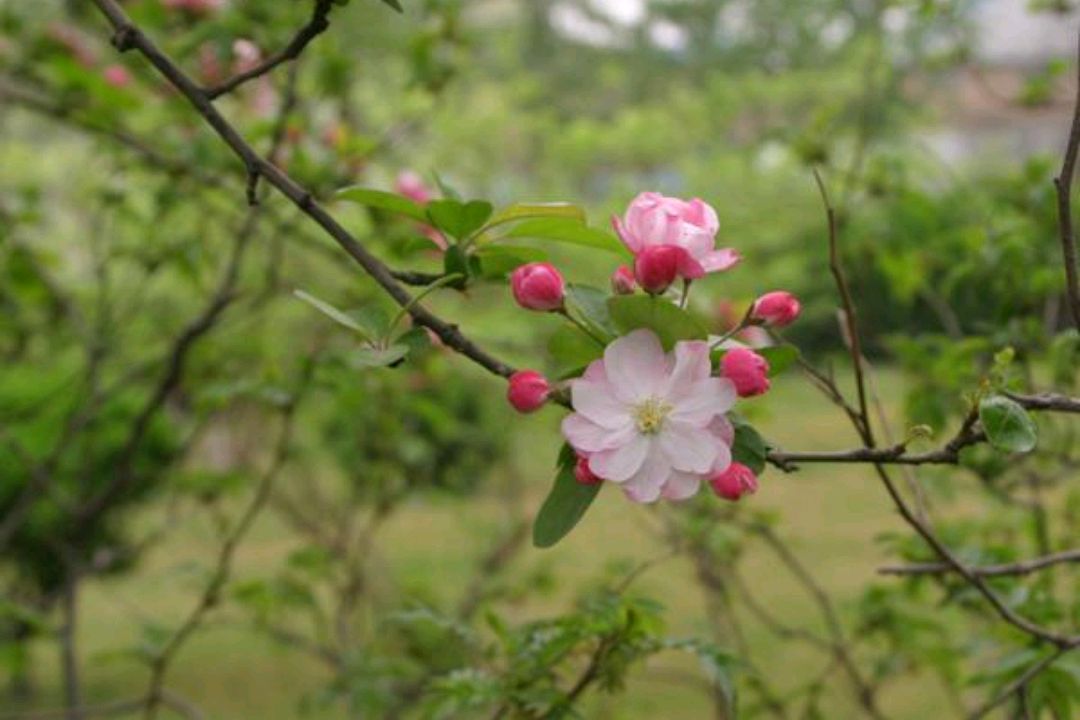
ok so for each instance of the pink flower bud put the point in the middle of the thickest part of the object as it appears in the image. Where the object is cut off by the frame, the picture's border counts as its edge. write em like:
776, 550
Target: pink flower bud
658, 266
622, 281
538, 286
747, 370
412, 186
583, 473
734, 482
528, 391
776, 308
117, 76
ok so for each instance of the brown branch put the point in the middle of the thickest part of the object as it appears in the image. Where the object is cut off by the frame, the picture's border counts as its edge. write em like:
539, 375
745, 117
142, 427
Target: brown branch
128, 36
851, 325
1063, 184
318, 23
1023, 567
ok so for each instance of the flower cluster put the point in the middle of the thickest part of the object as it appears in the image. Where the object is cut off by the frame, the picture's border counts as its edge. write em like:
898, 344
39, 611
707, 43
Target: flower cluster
655, 422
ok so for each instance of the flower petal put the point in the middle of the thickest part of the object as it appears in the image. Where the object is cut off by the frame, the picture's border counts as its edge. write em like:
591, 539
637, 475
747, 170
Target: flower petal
648, 482
691, 365
586, 436
703, 400
635, 365
720, 260
620, 463
631, 241
682, 486
689, 448
722, 428
723, 459
597, 402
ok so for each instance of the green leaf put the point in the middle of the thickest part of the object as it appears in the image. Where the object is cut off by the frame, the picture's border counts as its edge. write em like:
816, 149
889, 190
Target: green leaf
383, 200
749, 448
416, 339
567, 230
524, 211
670, 323
371, 357
1008, 426
395, 4
591, 302
457, 219
565, 504
333, 313
779, 357
497, 261
571, 351
456, 262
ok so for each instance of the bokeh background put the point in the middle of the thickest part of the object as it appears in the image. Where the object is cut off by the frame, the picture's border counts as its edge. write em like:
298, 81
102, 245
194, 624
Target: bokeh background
395, 544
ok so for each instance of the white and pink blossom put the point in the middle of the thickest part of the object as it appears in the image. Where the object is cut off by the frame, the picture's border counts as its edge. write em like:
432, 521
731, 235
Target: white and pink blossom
650, 421
654, 219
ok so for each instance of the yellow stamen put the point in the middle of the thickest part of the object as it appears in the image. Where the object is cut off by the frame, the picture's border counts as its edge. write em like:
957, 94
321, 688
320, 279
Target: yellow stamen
650, 414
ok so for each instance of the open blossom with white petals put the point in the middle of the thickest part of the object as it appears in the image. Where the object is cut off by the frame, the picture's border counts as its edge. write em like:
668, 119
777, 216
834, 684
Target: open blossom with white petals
652, 421
654, 219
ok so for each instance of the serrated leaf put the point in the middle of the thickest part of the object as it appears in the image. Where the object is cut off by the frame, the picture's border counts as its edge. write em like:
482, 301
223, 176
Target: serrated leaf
333, 313
564, 507
670, 323
567, 230
457, 219
1008, 426
383, 200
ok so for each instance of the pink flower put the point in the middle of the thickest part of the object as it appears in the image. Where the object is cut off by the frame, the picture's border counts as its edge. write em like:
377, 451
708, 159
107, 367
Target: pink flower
583, 474
247, 55
657, 267
117, 76
622, 281
734, 482
654, 219
747, 370
412, 186
538, 286
528, 391
652, 421
776, 308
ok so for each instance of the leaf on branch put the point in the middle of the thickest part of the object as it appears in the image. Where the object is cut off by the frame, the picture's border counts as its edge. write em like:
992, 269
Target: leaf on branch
567, 230
525, 211
565, 504
457, 219
333, 313
1008, 426
748, 448
670, 323
382, 200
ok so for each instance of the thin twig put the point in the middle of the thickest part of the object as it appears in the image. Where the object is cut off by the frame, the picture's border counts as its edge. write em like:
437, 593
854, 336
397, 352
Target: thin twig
1063, 184
1022, 567
315, 26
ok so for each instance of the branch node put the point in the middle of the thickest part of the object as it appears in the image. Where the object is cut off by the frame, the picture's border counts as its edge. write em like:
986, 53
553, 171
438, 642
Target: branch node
124, 38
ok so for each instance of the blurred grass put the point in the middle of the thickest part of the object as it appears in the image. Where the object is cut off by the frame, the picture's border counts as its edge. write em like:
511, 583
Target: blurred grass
829, 516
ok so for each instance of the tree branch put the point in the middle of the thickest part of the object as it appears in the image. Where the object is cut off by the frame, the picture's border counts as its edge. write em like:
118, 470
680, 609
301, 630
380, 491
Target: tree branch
1023, 567
318, 23
128, 36
1063, 184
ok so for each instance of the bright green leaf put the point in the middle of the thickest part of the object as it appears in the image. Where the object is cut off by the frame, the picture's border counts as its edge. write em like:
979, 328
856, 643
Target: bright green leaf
748, 448
383, 200
670, 323
524, 211
567, 230
497, 261
457, 219
591, 302
1008, 426
571, 351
